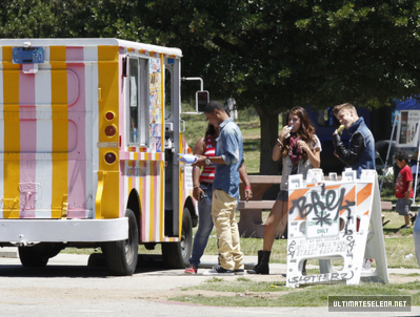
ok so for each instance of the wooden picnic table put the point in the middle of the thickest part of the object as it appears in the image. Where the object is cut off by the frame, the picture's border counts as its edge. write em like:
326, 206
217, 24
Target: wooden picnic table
250, 222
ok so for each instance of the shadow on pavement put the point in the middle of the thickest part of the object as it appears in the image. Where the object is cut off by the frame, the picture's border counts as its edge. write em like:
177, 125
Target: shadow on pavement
96, 267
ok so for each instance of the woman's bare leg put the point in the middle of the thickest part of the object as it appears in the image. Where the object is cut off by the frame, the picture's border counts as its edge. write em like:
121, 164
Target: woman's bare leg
276, 215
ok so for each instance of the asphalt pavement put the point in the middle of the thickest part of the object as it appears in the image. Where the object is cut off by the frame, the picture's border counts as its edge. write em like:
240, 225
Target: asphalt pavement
68, 287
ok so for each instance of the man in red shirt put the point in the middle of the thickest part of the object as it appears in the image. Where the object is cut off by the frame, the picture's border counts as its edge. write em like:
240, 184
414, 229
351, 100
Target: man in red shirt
404, 190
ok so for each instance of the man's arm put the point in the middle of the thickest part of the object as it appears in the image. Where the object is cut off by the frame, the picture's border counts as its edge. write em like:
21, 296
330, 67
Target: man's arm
350, 155
201, 160
230, 151
244, 178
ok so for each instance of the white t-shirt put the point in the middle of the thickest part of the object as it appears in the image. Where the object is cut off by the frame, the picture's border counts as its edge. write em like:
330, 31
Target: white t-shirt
317, 143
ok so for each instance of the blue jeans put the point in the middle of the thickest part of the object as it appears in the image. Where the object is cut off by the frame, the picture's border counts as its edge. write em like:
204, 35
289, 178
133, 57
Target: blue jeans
205, 224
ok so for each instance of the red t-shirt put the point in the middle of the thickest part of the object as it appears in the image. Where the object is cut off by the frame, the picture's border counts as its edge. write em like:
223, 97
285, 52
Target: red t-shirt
207, 175
401, 184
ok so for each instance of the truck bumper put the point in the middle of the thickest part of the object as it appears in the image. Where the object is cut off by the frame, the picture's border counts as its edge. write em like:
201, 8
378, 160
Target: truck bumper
32, 231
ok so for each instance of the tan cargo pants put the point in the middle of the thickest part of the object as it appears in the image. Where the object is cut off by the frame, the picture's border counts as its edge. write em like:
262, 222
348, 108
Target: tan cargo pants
223, 212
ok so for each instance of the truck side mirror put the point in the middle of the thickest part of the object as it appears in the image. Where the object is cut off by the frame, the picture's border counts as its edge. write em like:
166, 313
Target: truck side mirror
202, 97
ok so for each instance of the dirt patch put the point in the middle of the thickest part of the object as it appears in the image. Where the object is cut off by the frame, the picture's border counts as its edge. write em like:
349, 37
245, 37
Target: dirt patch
401, 279
397, 234
159, 296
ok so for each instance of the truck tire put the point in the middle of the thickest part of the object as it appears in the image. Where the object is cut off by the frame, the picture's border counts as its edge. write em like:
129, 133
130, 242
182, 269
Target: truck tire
97, 260
30, 257
121, 256
38, 255
177, 254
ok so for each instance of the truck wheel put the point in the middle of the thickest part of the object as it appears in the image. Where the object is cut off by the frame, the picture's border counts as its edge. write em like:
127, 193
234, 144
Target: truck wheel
177, 254
30, 257
38, 255
121, 256
97, 260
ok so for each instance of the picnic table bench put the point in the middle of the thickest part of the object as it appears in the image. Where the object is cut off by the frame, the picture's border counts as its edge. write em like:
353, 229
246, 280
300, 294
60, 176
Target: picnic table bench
250, 222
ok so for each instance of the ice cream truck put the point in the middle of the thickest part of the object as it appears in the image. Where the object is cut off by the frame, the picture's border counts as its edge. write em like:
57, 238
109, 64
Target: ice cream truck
89, 141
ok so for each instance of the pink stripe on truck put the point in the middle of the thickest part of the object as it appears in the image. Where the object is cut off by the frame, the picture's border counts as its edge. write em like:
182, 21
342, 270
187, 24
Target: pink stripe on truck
27, 113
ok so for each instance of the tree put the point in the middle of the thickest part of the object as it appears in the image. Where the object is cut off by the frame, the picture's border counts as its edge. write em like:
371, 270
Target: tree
274, 55
268, 54
69, 18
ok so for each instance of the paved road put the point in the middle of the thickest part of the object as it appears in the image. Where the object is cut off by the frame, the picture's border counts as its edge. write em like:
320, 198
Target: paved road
68, 287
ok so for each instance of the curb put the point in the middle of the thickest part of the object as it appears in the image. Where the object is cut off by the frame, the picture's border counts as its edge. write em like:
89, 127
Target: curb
8, 252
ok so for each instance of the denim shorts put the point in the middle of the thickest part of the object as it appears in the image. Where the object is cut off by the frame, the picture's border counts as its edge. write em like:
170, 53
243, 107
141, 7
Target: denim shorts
403, 206
283, 195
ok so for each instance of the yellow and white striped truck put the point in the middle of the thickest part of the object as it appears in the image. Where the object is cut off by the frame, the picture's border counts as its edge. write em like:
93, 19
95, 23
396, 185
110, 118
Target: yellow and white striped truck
89, 137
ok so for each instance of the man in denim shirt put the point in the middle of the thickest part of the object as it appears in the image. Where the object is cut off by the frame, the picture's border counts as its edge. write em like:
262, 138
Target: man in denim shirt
229, 157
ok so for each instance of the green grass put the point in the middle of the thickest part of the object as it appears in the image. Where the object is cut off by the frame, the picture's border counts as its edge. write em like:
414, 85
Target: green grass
254, 294
396, 249
388, 193
250, 129
241, 284
248, 122
252, 155
398, 244
250, 246
80, 251
393, 227
196, 126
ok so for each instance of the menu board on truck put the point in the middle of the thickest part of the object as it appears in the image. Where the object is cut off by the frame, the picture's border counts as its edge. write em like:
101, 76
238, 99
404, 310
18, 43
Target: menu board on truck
408, 128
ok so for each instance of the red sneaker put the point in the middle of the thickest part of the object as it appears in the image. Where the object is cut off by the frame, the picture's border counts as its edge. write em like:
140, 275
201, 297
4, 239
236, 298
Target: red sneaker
191, 270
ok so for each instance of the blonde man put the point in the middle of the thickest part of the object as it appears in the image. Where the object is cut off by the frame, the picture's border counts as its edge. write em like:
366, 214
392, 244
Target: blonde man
361, 152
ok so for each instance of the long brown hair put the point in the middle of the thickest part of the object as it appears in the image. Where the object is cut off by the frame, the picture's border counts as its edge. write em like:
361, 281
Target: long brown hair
210, 130
306, 130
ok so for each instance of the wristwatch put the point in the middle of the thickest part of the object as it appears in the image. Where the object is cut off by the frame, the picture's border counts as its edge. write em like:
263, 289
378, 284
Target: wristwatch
207, 161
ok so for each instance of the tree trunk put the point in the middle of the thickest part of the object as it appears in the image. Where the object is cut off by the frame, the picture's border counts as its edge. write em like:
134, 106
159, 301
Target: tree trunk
269, 134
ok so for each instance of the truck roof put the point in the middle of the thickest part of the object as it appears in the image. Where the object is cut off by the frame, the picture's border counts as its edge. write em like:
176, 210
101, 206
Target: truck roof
93, 42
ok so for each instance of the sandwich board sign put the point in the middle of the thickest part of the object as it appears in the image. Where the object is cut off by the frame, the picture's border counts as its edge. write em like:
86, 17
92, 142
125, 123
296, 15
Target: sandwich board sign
335, 220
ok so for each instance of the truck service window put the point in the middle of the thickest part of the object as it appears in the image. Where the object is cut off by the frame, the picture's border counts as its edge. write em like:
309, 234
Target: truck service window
134, 100
168, 93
